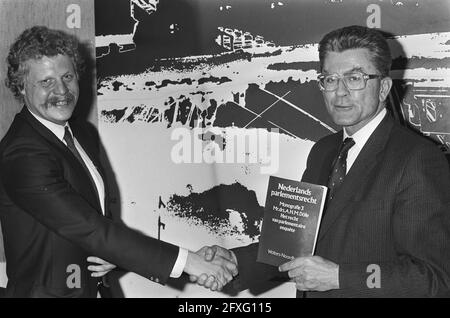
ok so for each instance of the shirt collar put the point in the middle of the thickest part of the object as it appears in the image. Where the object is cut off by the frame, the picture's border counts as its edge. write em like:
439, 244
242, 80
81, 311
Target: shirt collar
361, 136
56, 129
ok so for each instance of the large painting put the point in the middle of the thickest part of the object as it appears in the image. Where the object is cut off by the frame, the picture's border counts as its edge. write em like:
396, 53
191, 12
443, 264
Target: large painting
200, 101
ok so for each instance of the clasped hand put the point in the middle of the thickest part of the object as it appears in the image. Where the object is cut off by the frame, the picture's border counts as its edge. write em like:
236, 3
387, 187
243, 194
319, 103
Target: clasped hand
100, 267
212, 267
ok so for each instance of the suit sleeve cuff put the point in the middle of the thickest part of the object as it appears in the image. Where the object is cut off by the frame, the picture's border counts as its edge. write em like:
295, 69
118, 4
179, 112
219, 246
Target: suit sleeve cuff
178, 268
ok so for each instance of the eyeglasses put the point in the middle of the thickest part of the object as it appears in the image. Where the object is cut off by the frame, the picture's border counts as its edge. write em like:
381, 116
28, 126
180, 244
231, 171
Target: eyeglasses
353, 81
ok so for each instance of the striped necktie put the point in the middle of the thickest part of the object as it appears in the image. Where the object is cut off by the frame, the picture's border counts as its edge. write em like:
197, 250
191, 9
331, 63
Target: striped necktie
339, 171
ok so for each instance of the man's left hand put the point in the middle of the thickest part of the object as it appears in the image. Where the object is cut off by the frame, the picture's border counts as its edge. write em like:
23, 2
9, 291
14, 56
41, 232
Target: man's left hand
312, 273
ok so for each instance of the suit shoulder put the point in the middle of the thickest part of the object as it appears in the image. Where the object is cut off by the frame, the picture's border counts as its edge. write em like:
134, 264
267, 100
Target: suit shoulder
406, 140
85, 130
20, 137
412, 147
18, 128
327, 142
330, 139
84, 126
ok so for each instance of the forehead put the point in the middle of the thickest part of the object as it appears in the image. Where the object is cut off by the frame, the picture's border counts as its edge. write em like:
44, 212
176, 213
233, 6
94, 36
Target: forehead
348, 60
49, 66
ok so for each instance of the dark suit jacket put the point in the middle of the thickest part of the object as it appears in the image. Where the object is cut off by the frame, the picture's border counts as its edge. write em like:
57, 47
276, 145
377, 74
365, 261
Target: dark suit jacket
393, 210
51, 218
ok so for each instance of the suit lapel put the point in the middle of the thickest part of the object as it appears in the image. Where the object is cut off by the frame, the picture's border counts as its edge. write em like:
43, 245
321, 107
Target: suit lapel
92, 151
320, 160
88, 192
88, 146
328, 160
357, 175
42, 130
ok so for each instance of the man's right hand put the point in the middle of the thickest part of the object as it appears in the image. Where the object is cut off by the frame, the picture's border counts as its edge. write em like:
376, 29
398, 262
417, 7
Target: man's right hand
211, 253
209, 269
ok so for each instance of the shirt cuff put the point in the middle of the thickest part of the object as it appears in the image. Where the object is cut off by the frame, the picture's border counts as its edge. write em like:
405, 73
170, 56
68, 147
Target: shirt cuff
180, 263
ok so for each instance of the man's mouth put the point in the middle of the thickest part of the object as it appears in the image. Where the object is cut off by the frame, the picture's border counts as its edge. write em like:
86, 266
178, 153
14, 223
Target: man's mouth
343, 107
68, 99
60, 103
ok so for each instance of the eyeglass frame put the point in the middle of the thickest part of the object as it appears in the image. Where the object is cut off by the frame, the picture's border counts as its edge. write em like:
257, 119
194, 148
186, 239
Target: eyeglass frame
365, 76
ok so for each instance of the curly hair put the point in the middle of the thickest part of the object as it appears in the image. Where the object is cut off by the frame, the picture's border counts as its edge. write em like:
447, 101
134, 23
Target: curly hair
33, 44
358, 37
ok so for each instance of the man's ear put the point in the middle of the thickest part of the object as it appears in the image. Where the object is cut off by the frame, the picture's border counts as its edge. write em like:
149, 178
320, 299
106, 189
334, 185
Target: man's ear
385, 88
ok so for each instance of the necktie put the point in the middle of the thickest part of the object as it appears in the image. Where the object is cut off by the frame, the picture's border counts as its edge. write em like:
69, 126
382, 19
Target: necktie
71, 145
339, 168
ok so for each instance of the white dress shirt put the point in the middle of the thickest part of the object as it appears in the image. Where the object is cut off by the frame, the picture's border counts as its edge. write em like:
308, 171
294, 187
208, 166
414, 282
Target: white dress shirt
58, 131
361, 136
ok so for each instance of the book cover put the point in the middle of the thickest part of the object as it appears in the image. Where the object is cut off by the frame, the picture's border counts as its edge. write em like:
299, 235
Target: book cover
292, 216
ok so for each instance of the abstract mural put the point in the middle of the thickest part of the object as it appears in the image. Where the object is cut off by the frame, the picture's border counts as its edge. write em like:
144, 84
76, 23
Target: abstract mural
200, 101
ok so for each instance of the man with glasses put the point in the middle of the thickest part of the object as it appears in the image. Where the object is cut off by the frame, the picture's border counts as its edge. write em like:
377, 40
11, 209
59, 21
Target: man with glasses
386, 225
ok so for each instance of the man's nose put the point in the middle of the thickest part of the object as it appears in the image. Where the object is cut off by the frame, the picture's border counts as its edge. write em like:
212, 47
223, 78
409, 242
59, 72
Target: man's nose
60, 88
342, 89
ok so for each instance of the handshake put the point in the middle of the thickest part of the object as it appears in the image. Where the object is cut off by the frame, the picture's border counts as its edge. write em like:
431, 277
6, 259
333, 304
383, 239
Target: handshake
212, 267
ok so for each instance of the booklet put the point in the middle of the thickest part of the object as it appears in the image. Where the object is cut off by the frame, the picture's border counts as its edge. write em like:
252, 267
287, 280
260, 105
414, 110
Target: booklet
291, 221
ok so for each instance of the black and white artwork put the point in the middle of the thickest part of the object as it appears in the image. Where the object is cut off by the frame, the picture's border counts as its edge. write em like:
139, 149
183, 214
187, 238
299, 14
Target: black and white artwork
200, 101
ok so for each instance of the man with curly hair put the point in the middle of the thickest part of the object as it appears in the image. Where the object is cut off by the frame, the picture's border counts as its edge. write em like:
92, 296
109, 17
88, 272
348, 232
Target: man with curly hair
52, 195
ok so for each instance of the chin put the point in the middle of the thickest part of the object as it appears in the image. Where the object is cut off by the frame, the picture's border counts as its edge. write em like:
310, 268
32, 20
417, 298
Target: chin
341, 121
62, 118
59, 121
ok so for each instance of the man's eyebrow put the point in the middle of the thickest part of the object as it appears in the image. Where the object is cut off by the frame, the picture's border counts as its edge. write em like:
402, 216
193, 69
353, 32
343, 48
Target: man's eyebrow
355, 69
